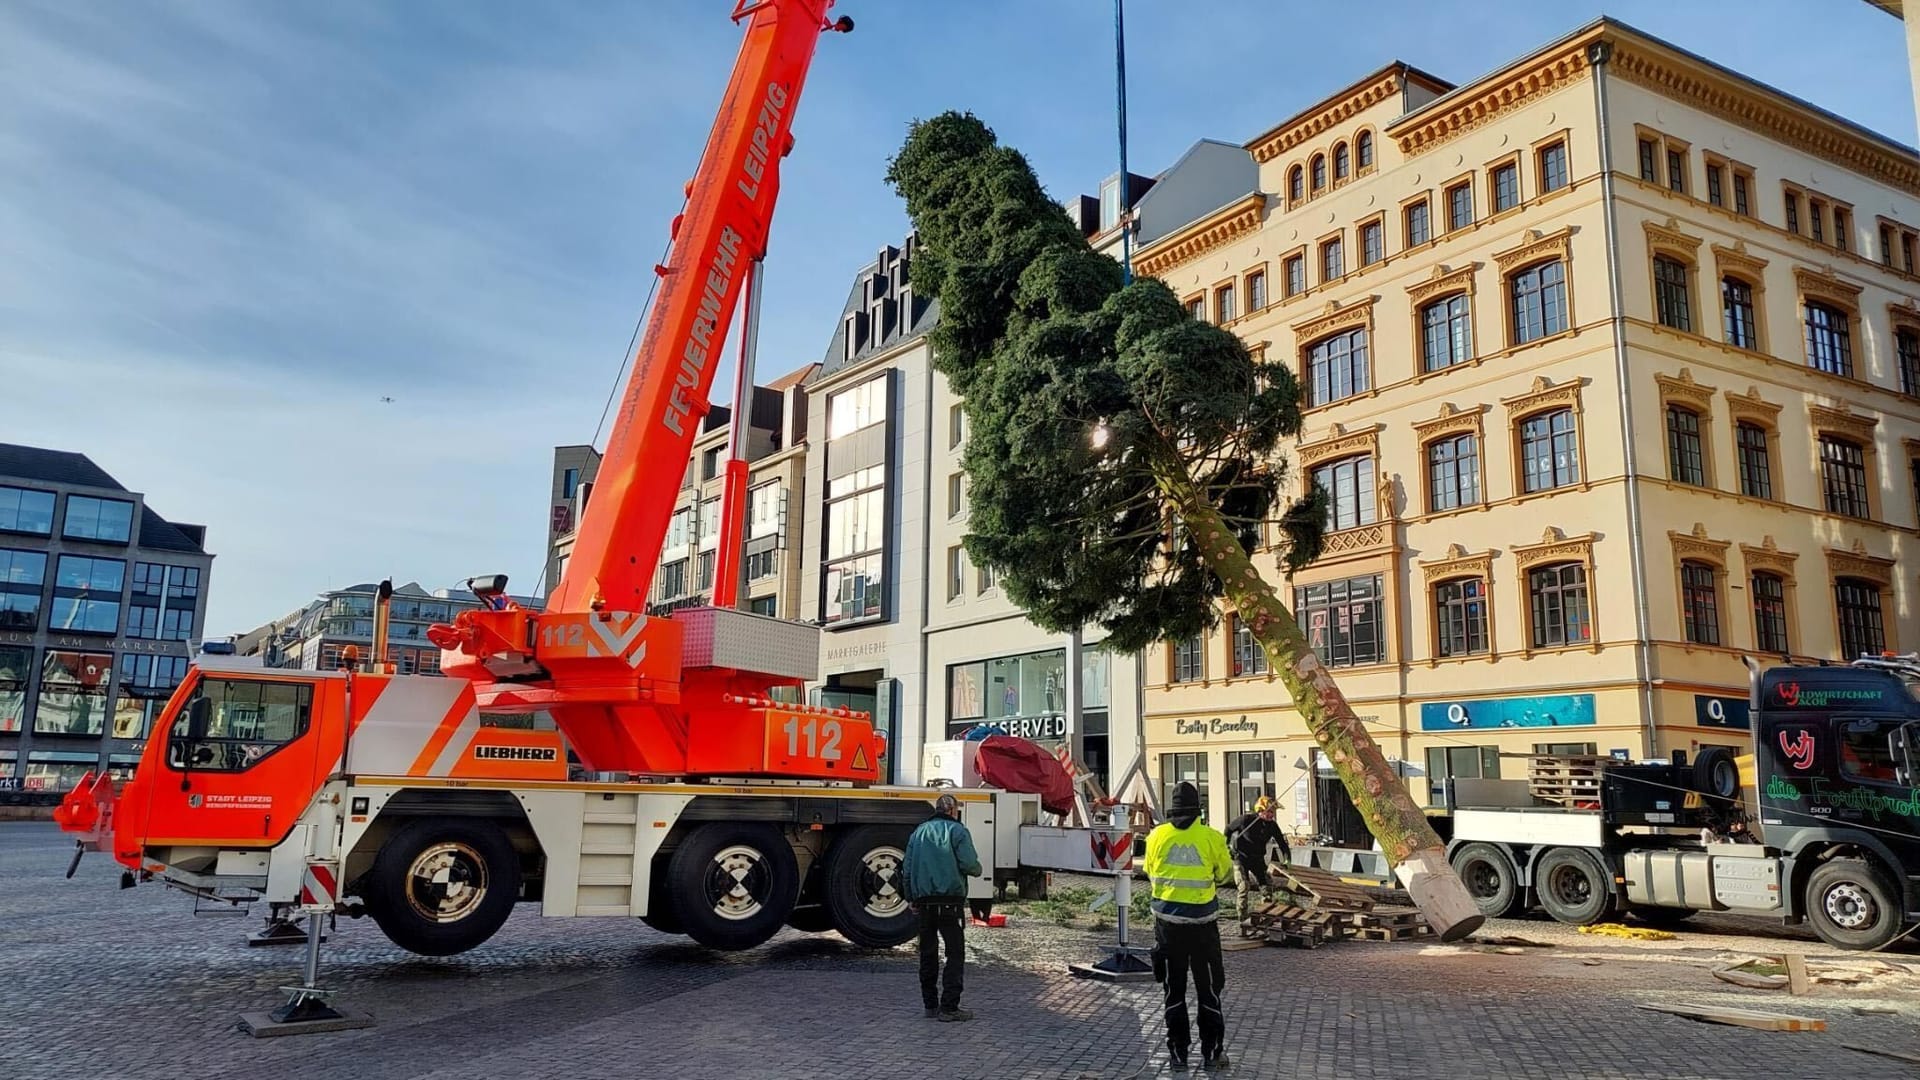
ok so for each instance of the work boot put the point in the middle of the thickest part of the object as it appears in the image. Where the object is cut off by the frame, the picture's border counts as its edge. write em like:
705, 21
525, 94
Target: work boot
955, 1014
1177, 1059
1217, 1059
932, 1012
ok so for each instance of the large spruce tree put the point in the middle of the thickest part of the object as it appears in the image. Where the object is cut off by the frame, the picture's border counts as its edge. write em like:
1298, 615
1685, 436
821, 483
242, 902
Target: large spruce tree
1124, 458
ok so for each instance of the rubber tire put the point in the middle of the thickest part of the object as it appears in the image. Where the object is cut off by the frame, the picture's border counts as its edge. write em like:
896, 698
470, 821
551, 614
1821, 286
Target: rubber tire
778, 882
1662, 917
846, 880
385, 891
1715, 773
1599, 902
1866, 877
1506, 888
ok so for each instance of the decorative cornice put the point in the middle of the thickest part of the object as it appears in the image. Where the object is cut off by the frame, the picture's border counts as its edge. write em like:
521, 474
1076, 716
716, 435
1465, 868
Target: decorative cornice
1442, 282
1683, 388
1330, 113
1669, 237
1492, 98
1751, 406
1534, 247
1223, 226
1760, 110
1738, 259
1905, 314
1696, 545
1459, 563
1858, 563
1340, 443
1554, 546
1451, 421
1824, 285
1543, 394
1769, 557
1842, 421
1335, 317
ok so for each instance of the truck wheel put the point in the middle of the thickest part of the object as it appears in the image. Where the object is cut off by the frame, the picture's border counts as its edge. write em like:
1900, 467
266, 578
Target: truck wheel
440, 886
862, 887
1489, 876
733, 883
1573, 886
1851, 905
1716, 773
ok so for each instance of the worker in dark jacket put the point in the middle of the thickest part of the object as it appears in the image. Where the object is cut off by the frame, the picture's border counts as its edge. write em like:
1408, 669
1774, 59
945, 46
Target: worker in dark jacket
1248, 837
940, 859
1186, 862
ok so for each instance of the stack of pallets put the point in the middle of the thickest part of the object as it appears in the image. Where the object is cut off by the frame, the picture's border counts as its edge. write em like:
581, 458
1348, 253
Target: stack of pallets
1567, 781
1319, 906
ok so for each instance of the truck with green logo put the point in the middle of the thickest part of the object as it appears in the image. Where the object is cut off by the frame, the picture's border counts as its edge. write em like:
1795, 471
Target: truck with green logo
1819, 823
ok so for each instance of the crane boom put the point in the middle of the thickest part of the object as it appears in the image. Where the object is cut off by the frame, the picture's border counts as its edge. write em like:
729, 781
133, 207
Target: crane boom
693, 693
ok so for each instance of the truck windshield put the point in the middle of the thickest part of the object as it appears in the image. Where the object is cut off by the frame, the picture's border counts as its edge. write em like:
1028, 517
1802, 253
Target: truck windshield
230, 724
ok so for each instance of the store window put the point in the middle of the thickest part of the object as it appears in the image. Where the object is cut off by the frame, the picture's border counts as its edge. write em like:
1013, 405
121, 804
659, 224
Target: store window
1344, 620
1175, 768
1249, 776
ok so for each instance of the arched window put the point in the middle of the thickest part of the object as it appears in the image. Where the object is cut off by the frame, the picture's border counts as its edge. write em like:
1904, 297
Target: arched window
1363, 149
1700, 602
1460, 617
1672, 296
1539, 295
1686, 459
1557, 595
1453, 472
1296, 184
1319, 171
1770, 613
1446, 333
1342, 163
1737, 313
1549, 451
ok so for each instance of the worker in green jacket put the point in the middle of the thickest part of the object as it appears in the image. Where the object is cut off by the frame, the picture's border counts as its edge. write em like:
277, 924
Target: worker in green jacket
1187, 861
940, 859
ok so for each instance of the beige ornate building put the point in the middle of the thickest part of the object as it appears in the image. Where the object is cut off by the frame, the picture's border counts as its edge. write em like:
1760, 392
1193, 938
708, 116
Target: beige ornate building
1611, 360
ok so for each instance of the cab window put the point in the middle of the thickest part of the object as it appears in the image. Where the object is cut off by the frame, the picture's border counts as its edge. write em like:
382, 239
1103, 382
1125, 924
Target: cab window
1874, 750
230, 725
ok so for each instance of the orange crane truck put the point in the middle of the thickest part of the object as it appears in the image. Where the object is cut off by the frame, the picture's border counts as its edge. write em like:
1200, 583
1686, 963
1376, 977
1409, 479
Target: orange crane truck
733, 812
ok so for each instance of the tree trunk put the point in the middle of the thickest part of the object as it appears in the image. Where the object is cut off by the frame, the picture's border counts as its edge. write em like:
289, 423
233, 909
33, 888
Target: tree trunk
1418, 856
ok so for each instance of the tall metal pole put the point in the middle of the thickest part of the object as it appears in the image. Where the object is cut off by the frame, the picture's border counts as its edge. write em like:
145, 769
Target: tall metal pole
1120, 81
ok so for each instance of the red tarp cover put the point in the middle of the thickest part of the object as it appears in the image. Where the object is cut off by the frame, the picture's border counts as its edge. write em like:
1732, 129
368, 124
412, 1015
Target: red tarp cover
1019, 765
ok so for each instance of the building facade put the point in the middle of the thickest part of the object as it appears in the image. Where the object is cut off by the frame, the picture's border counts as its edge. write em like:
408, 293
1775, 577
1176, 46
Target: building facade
101, 602
574, 468
1610, 362
315, 637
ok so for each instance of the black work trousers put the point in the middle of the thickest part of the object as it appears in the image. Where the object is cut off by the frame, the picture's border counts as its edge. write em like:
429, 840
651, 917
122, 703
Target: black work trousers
941, 922
1192, 947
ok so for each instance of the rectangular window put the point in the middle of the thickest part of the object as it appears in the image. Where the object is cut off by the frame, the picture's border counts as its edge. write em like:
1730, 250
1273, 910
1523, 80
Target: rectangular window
956, 572
766, 504
1671, 293
86, 595
1178, 768
23, 576
1701, 603
709, 522
1453, 472
1419, 228
704, 566
1190, 659
1842, 226
1843, 473
1197, 309
857, 408
761, 565
1741, 182
1349, 485
1460, 613
985, 578
1446, 763
853, 580
246, 721
15, 670
25, 511
1446, 333
1296, 275
1756, 461
1862, 630
764, 605
1506, 188
1816, 220
1337, 367
569, 483
1249, 776
1716, 184
73, 693
107, 521
1248, 657
1539, 295
1906, 347
1549, 451
1553, 168
1886, 246
1223, 304
1770, 613
1649, 159
1333, 260
1793, 212
1373, 244
1829, 340
1343, 620
1459, 206
1256, 291
710, 464
956, 425
1737, 315
1559, 602
672, 584
1677, 171
956, 494
1906, 263
1685, 463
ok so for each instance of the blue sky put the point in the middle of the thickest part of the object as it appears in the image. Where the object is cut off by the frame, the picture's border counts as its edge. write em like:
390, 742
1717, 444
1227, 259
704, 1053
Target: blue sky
228, 229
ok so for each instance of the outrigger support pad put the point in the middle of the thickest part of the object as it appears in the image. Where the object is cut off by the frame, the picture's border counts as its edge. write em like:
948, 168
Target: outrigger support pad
307, 1010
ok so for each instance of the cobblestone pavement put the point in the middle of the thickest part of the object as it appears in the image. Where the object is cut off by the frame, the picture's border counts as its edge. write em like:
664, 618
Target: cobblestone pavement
99, 982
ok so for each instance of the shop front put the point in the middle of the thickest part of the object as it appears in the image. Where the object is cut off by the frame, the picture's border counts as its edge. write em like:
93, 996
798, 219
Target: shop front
1233, 761
1025, 695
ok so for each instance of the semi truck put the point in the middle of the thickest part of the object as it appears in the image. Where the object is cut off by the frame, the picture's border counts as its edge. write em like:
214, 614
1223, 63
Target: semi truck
1818, 822
713, 802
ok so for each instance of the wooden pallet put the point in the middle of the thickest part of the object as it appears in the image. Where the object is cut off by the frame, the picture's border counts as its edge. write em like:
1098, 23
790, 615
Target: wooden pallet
1327, 889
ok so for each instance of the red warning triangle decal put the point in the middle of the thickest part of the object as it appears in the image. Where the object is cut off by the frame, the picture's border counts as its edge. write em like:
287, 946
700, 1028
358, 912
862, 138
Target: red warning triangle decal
859, 758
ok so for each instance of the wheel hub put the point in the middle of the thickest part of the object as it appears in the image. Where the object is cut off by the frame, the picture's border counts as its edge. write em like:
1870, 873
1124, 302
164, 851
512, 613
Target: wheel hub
1849, 907
446, 882
737, 882
880, 882
1571, 886
1483, 881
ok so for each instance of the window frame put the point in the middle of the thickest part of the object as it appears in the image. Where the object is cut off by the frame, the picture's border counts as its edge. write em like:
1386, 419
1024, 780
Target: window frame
1839, 451
1673, 306
1246, 659
1357, 359
1687, 433
1454, 336
1534, 575
1763, 618
1366, 500
1543, 174
1333, 257
1307, 606
1374, 229
1700, 601
1505, 169
1178, 671
1511, 282
1424, 204
1745, 449
1444, 623
1449, 197
98, 503
21, 492
1877, 617
1729, 282
1471, 476
1522, 441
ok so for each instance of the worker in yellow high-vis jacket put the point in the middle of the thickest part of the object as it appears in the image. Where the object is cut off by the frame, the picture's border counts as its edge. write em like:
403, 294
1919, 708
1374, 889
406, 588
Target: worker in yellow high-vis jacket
1187, 861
